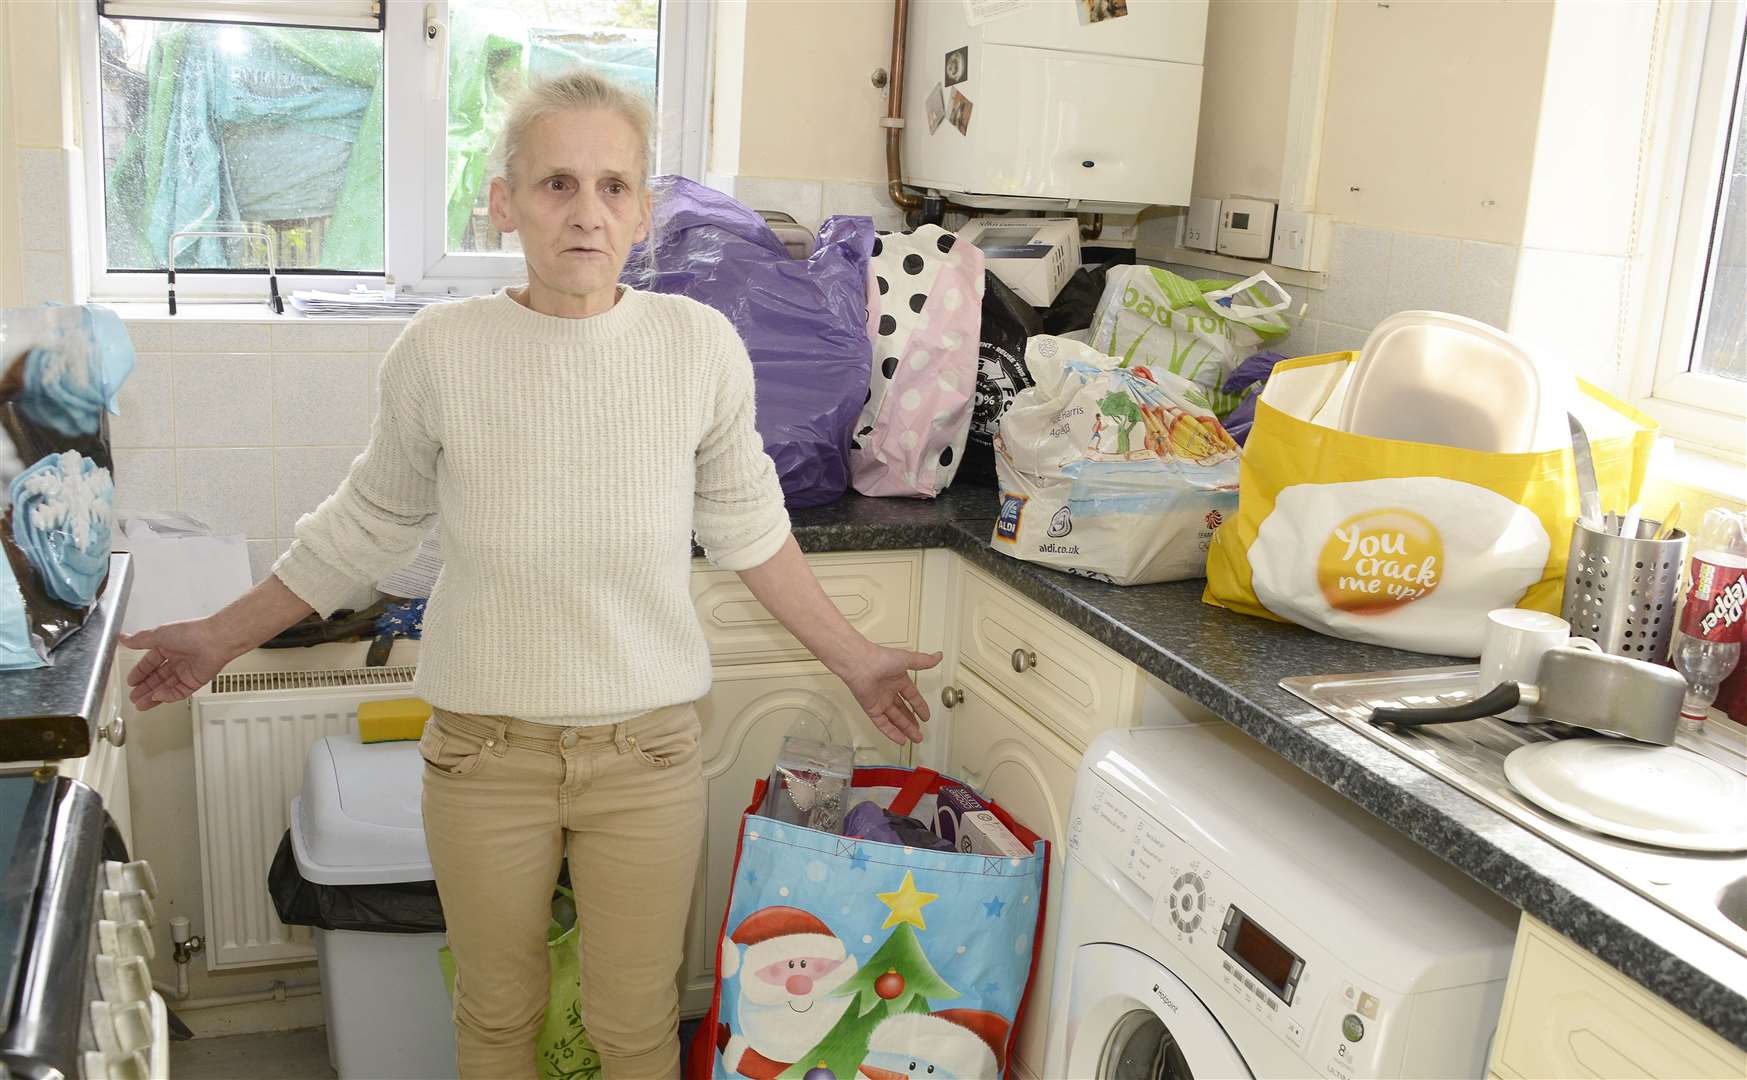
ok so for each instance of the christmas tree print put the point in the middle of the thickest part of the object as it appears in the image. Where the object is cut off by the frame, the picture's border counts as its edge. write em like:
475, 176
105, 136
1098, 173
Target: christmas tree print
896, 979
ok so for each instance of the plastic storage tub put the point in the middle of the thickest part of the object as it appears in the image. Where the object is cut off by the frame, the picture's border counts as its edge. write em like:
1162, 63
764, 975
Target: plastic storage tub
356, 823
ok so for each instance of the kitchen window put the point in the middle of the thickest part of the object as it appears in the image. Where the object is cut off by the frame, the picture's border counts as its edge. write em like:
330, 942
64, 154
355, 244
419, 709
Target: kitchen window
1693, 375
357, 131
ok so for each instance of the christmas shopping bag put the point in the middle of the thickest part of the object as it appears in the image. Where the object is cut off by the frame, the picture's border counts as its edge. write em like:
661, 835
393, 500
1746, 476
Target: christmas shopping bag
845, 959
1401, 543
564, 1048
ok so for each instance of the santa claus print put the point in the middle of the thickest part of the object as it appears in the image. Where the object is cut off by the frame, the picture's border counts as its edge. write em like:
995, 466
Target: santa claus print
952, 1044
788, 962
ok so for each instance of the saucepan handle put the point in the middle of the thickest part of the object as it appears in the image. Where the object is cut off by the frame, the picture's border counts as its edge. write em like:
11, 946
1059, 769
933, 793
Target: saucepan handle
1501, 698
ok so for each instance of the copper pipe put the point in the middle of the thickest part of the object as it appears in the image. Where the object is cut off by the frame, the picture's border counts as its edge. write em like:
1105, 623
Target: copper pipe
902, 197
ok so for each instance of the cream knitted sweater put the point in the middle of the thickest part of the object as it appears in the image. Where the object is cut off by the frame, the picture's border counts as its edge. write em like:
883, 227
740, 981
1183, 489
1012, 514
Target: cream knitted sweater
569, 462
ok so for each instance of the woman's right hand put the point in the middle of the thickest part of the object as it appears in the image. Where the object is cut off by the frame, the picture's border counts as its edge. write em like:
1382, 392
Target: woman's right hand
180, 658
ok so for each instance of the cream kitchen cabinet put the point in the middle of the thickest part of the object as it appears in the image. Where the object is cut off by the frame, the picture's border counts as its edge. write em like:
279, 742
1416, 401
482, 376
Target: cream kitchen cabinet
745, 717
1567, 1014
1062, 677
878, 592
104, 769
1026, 768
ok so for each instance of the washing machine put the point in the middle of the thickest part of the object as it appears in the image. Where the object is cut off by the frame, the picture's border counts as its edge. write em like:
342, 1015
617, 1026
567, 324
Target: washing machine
1224, 915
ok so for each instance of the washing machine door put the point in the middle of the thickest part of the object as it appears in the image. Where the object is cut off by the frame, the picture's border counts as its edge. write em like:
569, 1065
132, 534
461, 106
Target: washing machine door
1131, 1018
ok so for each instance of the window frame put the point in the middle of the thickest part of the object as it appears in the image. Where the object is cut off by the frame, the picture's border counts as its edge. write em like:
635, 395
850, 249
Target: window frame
415, 128
1693, 132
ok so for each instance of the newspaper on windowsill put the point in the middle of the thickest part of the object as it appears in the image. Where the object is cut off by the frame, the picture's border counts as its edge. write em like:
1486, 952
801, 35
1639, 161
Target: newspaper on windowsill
362, 303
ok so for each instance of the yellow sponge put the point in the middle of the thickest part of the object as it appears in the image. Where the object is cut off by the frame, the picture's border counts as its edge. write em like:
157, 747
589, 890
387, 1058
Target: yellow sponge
397, 719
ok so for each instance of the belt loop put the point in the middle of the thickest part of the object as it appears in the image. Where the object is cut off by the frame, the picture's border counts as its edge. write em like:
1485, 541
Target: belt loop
620, 738
502, 726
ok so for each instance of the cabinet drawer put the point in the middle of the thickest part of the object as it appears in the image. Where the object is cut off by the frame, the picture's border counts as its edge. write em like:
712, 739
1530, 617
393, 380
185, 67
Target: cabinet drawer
1074, 685
876, 593
1568, 1014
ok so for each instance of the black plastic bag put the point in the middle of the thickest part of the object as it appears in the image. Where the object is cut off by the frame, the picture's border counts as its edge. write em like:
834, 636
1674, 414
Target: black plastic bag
1075, 305
1001, 373
409, 907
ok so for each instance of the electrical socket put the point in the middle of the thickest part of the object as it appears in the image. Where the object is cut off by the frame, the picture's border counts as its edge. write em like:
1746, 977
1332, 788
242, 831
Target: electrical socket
1302, 240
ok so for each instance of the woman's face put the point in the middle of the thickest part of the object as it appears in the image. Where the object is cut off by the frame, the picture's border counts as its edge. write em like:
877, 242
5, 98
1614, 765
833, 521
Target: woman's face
577, 200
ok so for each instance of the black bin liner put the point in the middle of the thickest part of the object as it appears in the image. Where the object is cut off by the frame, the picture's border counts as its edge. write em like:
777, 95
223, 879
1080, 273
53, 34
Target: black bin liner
408, 907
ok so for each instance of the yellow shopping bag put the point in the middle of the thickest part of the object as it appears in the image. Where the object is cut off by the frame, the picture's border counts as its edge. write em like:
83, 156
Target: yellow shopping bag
1402, 543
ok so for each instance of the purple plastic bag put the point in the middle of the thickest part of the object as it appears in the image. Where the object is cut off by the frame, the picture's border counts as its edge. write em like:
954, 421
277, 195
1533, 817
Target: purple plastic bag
1248, 374
804, 321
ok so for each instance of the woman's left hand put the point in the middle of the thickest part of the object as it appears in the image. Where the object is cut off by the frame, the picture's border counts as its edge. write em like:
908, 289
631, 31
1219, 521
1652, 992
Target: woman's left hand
880, 681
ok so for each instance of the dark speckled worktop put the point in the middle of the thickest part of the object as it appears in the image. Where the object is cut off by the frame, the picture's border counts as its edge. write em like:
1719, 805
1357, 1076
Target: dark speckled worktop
1232, 664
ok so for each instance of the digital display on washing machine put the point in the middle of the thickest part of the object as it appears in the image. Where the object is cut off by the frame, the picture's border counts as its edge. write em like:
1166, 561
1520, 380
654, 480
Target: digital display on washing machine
1273, 964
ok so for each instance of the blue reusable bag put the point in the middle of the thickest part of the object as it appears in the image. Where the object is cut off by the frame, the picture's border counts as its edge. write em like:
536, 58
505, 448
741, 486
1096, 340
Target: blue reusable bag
844, 958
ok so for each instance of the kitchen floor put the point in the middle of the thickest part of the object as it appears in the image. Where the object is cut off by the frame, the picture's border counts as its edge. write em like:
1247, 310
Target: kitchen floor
278, 1055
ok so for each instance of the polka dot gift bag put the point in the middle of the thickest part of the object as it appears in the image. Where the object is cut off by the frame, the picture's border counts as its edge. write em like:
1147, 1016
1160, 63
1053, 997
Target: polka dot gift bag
923, 319
882, 954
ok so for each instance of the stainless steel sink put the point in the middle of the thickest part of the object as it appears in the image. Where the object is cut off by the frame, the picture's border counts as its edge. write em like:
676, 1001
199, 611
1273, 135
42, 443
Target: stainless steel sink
1732, 902
1708, 891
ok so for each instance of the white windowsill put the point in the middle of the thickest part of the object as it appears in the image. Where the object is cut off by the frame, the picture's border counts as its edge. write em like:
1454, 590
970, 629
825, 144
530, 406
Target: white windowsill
252, 311
1688, 466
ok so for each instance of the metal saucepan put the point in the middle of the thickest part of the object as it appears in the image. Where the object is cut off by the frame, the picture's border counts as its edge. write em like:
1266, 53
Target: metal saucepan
1614, 695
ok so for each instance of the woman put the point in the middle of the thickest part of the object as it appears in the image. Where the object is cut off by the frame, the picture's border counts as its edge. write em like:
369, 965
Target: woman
561, 650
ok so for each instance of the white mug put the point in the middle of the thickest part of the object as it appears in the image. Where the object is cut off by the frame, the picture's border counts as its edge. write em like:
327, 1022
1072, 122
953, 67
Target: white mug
1516, 639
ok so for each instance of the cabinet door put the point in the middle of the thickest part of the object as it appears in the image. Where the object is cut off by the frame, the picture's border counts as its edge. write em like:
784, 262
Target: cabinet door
745, 717
104, 769
1012, 759
1568, 1014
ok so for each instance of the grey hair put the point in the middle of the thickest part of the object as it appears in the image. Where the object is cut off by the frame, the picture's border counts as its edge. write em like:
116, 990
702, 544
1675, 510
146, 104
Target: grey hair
579, 89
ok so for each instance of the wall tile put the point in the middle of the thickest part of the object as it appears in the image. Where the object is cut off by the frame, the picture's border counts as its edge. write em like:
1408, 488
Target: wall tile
145, 480
262, 555
1335, 337
147, 405
224, 400
48, 276
149, 335
1422, 273
1485, 277
1358, 277
321, 398
42, 199
303, 476
228, 489
800, 199
846, 197
384, 334
220, 336
303, 335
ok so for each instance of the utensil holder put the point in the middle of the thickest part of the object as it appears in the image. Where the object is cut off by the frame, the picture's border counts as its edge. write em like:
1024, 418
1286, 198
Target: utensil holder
1620, 592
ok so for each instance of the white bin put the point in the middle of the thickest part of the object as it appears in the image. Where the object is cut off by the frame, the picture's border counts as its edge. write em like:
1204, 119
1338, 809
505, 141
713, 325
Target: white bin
357, 823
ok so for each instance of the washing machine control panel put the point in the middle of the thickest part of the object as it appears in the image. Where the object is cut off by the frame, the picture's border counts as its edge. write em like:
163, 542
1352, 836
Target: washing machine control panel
1243, 948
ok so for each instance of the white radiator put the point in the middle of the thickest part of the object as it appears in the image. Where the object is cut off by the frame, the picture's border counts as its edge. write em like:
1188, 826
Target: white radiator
252, 732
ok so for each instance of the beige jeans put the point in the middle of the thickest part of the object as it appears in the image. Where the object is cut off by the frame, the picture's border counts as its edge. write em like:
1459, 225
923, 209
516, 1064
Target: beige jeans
504, 799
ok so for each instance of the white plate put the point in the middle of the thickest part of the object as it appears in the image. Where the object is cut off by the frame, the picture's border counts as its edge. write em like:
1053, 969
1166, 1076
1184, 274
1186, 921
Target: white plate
1665, 796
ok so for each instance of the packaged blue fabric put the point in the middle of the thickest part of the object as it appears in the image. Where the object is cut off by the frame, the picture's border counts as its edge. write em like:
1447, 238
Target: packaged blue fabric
63, 367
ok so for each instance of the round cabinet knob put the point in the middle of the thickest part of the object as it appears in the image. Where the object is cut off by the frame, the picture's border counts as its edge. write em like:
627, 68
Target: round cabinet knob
114, 732
951, 696
1024, 660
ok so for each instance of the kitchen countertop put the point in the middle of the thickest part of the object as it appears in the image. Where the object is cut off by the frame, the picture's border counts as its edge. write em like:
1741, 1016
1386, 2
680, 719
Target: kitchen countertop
1233, 663
49, 713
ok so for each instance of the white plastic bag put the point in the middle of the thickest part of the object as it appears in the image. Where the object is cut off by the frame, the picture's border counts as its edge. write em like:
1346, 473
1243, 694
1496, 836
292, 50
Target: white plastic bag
1199, 330
1111, 473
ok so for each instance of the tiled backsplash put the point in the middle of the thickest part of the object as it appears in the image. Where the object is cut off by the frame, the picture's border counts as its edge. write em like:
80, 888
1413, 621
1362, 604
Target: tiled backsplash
245, 425
1374, 273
